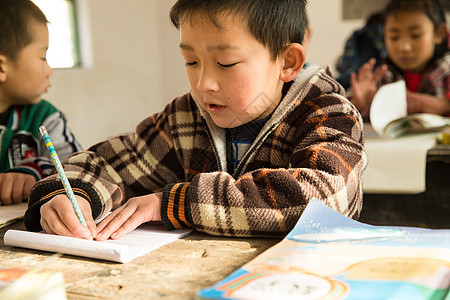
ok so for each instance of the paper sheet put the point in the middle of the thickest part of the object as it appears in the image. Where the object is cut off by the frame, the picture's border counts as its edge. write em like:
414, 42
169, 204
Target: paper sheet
397, 165
140, 241
12, 213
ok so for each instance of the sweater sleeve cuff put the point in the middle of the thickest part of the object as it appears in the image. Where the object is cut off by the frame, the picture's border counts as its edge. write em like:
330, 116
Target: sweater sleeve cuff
42, 193
175, 210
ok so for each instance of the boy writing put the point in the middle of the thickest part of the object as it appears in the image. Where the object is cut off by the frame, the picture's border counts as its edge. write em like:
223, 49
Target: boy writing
240, 155
24, 77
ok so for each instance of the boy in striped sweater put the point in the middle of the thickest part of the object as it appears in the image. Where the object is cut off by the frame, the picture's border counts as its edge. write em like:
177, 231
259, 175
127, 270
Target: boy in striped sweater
24, 77
242, 154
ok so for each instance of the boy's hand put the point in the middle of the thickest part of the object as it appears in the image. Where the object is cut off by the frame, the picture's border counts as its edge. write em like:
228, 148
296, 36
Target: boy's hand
58, 217
364, 84
126, 218
14, 187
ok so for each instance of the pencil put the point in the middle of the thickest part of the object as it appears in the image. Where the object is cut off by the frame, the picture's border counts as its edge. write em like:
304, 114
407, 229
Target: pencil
62, 174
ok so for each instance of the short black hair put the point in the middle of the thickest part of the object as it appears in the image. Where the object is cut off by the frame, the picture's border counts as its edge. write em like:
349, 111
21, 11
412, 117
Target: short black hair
15, 17
433, 9
274, 23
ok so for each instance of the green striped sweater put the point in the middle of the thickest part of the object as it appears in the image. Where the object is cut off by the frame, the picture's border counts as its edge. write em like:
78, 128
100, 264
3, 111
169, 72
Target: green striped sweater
22, 148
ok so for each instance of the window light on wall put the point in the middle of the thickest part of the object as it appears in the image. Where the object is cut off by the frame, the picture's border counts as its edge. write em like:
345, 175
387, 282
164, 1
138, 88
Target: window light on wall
63, 49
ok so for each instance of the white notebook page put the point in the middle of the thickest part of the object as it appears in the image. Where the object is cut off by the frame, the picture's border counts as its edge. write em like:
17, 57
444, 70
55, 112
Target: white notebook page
140, 241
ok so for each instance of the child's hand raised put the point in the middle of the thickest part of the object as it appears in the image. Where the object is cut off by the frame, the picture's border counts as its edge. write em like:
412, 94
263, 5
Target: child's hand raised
364, 85
58, 217
126, 218
14, 187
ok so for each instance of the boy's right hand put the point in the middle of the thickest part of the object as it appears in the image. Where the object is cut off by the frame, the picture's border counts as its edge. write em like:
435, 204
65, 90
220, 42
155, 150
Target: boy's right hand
58, 217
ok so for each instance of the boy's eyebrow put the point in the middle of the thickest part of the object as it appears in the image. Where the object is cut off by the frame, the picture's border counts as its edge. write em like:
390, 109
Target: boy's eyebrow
186, 47
219, 47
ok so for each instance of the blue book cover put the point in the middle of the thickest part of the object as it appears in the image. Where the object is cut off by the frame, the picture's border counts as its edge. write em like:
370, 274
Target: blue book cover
329, 256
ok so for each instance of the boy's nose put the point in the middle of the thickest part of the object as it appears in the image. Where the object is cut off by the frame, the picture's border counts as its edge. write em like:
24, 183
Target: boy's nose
207, 82
49, 70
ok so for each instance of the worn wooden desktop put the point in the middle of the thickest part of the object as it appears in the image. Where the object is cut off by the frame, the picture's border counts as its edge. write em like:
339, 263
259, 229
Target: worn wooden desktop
174, 271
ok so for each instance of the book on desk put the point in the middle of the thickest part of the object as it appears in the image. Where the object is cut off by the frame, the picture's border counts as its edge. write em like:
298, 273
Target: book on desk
389, 115
19, 284
329, 256
12, 213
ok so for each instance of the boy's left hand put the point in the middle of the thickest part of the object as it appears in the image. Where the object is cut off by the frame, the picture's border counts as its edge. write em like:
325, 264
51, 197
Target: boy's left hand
126, 218
14, 187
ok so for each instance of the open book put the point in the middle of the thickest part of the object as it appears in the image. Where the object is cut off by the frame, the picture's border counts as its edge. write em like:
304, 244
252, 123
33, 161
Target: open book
329, 256
138, 242
389, 116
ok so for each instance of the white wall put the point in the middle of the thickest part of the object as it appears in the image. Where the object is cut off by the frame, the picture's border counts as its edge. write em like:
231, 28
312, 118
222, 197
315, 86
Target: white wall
137, 68
329, 31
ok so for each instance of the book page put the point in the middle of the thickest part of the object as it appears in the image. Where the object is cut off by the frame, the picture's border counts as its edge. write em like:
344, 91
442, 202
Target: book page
329, 256
140, 241
388, 104
12, 213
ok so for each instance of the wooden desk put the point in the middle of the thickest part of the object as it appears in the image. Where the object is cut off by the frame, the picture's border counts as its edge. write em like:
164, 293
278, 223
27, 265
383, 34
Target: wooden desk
174, 271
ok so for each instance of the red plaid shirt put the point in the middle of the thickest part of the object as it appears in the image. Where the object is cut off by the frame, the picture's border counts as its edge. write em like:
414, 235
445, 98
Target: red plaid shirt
435, 80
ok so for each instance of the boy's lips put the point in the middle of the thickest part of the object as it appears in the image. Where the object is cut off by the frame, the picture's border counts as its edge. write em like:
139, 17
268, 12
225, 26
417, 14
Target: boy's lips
215, 108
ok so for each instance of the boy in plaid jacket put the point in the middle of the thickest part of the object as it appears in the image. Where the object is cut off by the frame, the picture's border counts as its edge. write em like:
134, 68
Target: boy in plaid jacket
242, 154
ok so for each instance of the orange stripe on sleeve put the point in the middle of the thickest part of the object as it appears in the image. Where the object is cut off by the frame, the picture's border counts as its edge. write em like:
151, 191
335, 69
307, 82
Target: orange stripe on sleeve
170, 207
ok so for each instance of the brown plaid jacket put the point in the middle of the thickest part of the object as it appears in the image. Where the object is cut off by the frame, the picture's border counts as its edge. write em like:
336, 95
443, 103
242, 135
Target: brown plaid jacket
311, 147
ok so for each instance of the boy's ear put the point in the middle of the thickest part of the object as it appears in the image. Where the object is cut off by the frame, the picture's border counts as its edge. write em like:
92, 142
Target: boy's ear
294, 59
441, 33
3, 60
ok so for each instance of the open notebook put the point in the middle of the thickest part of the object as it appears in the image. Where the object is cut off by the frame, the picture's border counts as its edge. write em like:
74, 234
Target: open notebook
140, 241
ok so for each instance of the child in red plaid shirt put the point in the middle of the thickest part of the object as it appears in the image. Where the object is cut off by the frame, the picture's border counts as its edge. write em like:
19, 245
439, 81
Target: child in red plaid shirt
416, 39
